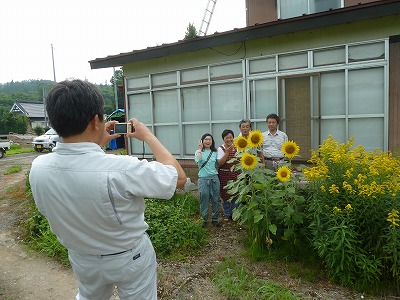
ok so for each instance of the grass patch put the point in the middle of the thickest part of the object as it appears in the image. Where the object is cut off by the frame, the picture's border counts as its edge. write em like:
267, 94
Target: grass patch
13, 169
17, 149
235, 281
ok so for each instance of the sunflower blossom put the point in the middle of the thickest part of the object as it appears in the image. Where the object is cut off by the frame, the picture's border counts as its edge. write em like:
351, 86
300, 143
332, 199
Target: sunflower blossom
283, 173
290, 149
248, 161
241, 143
255, 139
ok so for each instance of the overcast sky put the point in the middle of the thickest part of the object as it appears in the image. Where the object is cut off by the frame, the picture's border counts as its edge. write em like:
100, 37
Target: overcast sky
83, 30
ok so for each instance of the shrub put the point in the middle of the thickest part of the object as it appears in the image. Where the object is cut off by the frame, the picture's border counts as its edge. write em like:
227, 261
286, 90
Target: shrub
354, 212
38, 130
173, 227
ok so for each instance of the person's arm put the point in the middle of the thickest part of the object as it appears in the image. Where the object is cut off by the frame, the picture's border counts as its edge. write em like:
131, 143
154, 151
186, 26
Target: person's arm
224, 158
162, 155
262, 157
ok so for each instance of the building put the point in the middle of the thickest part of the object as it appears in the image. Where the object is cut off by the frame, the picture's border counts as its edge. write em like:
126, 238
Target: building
34, 111
325, 67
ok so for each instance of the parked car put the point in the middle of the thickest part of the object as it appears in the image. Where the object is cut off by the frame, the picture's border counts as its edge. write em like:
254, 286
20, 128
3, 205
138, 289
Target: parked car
46, 141
5, 145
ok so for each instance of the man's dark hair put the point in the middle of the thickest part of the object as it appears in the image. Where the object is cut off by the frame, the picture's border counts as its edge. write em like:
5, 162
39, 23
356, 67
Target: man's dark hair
245, 121
273, 116
71, 105
226, 132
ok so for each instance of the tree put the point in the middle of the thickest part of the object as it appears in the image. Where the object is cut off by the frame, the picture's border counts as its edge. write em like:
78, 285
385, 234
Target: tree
191, 32
118, 77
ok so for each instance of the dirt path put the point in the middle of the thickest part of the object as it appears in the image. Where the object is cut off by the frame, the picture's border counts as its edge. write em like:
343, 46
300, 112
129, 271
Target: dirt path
28, 275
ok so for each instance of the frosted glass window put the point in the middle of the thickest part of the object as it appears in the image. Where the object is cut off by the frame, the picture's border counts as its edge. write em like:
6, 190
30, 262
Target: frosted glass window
367, 132
139, 107
164, 79
336, 128
166, 106
262, 126
263, 99
293, 61
366, 91
233, 70
169, 137
330, 56
367, 52
194, 75
139, 83
139, 148
333, 97
195, 106
289, 9
192, 134
227, 101
262, 65
323, 5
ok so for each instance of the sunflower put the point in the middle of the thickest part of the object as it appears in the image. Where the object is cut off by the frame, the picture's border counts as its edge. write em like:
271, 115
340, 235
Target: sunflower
241, 143
290, 149
283, 173
248, 161
255, 138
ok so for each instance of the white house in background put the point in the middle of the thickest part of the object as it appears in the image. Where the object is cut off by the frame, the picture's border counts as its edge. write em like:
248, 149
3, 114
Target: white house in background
327, 67
34, 111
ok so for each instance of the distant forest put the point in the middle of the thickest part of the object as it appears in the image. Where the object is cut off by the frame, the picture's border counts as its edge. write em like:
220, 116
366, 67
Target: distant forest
36, 90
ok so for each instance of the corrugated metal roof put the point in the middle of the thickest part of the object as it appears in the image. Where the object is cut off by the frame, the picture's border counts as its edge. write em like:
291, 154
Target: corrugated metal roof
339, 16
29, 109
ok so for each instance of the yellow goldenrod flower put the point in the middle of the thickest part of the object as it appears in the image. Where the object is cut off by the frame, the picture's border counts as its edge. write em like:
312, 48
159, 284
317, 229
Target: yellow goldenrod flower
241, 143
334, 189
323, 188
336, 209
283, 173
393, 217
290, 149
255, 139
248, 161
348, 207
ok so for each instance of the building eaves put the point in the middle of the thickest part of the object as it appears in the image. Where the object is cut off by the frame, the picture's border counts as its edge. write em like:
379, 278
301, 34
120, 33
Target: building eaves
334, 17
30, 109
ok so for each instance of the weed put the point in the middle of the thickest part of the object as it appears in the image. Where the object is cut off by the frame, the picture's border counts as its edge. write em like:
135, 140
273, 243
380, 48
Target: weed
236, 282
13, 169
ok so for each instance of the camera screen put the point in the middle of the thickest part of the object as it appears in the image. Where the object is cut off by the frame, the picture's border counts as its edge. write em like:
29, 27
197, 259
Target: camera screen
121, 128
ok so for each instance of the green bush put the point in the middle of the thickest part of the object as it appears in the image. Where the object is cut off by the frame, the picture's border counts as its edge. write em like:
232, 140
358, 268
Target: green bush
38, 130
354, 213
174, 227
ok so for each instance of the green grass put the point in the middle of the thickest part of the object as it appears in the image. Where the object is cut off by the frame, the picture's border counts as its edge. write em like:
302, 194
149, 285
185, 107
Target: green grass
17, 149
235, 281
13, 169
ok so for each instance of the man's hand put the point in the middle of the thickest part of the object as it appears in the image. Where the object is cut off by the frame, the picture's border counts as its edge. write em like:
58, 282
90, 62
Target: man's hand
107, 133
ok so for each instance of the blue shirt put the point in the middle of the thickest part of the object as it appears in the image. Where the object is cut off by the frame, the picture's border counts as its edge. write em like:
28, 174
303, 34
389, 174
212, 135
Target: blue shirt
210, 167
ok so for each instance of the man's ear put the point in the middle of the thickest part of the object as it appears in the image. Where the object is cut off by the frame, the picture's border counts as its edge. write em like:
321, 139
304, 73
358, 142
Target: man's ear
95, 122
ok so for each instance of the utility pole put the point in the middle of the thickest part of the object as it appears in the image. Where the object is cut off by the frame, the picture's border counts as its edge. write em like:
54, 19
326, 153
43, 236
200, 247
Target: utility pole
54, 70
115, 90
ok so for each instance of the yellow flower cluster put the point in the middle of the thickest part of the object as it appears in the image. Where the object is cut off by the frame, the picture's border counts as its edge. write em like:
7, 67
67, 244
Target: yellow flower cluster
393, 218
366, 174
254, 140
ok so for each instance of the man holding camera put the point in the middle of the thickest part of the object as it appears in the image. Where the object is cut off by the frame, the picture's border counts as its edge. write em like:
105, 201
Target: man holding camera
94, 202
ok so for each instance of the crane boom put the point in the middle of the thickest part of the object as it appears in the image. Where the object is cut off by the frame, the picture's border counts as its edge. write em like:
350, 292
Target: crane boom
207, 17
